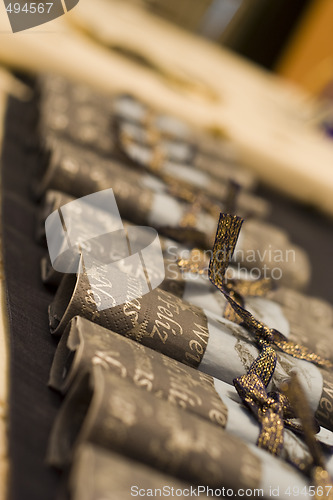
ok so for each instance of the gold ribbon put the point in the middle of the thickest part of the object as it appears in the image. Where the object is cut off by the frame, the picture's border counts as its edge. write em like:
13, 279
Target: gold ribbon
225, 242
238, 289
271, 409
196, 263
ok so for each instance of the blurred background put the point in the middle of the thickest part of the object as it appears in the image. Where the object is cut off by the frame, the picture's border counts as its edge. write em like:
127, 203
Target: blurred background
294, 39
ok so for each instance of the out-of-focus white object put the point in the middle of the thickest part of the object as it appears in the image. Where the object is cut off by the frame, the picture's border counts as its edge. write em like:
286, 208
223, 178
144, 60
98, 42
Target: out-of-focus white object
266, 118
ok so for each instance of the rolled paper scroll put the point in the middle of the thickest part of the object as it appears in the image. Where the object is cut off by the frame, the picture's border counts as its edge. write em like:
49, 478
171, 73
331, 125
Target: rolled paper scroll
129, 108
69, 111
85, 344
50, 277
141, 198
155, 159
99, 173
176, 149
93, 227
84, 116
111, 412
178, 141
268, 252
98, 473
75, 112
280, 259
168, 379
214, 155
310, 320
303, 319
158, 319
54, 200
84, 218
295, 315
51, 202
182, 331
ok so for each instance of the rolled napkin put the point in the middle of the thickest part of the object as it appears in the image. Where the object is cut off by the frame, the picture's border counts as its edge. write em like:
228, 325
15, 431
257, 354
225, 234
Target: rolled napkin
85, 344
50, 277
185, 332
141, 198
75, 112
86, 117
266, 251
213, 154
303, 319
154, 157
178, 181
176, 148
310, 319
280, 260
97, 473
108, 411
52, 201
84, 219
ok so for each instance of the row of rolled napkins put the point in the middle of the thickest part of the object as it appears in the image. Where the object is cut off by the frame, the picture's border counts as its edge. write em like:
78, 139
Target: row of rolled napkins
220, 357
136, 402
164, 322
182, 201
301, 318
84, 344
163, 396
86, 117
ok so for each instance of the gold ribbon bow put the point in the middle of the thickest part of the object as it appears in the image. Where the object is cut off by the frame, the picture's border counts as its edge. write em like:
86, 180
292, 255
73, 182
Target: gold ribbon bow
271, 409
225, 242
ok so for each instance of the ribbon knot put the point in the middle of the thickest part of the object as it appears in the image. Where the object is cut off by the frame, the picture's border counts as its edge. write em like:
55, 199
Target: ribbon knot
272, 409
225, 242
267, 408
264, 336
